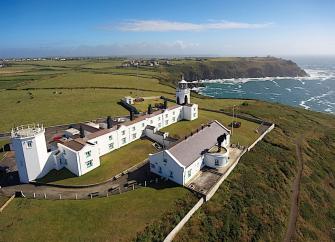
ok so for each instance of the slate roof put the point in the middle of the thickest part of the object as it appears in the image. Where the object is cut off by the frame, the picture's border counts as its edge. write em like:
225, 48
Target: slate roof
189, 150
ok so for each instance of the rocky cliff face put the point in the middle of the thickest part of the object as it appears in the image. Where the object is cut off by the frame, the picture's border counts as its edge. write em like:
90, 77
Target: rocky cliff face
248, 67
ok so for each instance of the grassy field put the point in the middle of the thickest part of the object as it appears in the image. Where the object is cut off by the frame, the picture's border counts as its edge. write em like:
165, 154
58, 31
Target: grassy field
251, 205
111, 165
117, 218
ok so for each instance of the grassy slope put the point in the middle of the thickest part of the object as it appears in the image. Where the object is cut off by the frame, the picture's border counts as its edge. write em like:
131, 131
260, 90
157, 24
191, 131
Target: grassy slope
254, 202
117, 218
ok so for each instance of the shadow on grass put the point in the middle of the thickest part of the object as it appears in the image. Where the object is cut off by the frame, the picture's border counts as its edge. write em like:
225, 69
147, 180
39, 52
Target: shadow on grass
55, 175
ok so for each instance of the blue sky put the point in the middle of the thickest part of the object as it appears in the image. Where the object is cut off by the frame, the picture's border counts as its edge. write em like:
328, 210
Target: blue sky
184, 27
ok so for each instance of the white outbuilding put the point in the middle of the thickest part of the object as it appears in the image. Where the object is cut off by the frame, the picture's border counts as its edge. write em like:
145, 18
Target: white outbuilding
182, 162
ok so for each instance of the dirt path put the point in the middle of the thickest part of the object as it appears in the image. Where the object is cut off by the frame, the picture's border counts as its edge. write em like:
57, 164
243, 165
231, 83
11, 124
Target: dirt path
290, 232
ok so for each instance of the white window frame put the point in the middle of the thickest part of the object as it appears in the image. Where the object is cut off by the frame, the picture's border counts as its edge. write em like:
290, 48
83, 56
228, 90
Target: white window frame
29, 144
88, 154
111, 145
89, 163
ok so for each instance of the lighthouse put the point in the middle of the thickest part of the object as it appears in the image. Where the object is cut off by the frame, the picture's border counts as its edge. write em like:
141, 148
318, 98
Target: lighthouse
183, 93
30, 151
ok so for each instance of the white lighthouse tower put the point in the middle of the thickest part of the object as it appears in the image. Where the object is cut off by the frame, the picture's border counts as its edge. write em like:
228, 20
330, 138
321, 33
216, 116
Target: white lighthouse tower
30, 150
183, 93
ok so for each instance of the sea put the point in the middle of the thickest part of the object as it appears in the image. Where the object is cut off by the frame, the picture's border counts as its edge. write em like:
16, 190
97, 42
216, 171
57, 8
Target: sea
315, 92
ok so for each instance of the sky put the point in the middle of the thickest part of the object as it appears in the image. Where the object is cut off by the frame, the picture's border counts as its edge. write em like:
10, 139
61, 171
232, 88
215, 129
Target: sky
172, 27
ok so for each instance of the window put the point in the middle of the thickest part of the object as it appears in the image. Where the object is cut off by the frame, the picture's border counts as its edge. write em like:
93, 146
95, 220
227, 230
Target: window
166, 115
194, 114
88, 154
216, 162
160, 170
194, 109
111, 146
134, 136
134, 128
151, 121
96, 142
123, 132
166, 122
159, 125
143, 125
171, 174
174, 119
152, 166
29, 144
174, 112
89, 163
159, 118
165, 160
189, 173
124, 140
110, 137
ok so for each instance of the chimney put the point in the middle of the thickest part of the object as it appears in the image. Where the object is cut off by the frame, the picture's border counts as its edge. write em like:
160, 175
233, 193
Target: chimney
165, 104
109, 122
149, 109
82, 132
131, 115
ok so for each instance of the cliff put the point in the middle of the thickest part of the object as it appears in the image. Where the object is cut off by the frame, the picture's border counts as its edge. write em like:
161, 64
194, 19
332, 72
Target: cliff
234, 67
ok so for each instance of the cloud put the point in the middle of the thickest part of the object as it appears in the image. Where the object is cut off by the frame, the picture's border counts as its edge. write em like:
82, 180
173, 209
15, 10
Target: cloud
166, 26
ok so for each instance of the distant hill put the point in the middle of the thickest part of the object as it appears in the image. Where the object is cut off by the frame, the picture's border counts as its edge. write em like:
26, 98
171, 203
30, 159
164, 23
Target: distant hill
233, 67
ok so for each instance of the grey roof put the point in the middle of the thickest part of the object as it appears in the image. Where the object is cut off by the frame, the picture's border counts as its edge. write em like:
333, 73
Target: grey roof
189, 150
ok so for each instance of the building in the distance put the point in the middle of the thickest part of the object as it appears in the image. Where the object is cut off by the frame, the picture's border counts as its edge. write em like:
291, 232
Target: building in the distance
182, 162
81, 147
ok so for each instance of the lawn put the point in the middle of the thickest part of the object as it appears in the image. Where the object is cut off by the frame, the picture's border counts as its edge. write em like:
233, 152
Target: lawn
245, 135
143, 106
66, 106
111, 164
117, 218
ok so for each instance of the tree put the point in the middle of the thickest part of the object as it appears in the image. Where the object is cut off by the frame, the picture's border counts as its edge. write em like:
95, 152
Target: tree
220, 140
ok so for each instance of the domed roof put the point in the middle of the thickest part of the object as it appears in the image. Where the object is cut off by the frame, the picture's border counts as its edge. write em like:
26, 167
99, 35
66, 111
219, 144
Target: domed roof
183, 81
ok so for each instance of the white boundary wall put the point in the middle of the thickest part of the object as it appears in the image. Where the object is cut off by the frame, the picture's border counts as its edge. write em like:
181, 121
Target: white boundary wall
180, 225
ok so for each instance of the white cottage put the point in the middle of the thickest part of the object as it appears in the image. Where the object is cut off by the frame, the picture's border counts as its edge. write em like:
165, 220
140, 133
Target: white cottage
181, 162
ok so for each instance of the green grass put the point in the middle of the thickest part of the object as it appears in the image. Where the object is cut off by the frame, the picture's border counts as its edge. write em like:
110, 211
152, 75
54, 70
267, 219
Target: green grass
86, 79
3, 200
67, 106
143, 106
117, 218
111, 164
245, 135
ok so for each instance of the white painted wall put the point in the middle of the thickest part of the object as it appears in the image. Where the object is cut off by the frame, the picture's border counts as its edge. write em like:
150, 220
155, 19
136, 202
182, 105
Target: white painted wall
163, 164
30, 160
222, 159
83, 159
69, 159
191, 112
193, 169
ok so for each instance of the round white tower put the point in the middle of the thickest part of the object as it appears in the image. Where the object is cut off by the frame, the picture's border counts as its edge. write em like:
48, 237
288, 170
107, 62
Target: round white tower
183, 93
30, 151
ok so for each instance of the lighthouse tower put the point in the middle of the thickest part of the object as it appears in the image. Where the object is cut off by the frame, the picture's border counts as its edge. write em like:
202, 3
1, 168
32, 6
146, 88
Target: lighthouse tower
183, 93
30, 151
